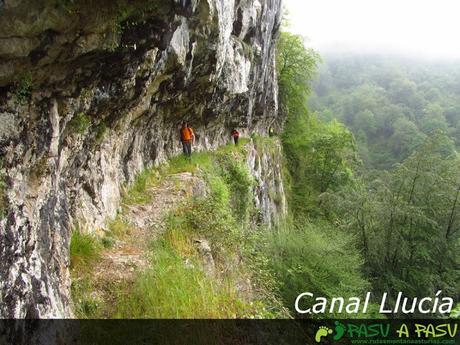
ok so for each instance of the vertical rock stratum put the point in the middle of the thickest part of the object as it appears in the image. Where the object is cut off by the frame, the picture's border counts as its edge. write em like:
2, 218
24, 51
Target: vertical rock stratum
91, 93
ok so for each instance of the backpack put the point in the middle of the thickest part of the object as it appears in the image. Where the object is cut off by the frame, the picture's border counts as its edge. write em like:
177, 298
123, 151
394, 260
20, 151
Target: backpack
186, 134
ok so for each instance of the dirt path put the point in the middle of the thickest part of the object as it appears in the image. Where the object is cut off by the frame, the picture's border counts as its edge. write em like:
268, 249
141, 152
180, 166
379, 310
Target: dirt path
129, 253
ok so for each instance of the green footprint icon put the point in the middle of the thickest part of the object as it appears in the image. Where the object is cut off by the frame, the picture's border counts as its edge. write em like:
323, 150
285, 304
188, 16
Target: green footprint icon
339, 330
323, 331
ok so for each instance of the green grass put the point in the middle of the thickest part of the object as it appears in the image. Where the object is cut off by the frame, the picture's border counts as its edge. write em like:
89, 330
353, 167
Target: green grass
240, 183
231, 148
267, 143
118, 228
85, 249
137, 193
176, 289
201, 162
180, 164
209, 218
86, 304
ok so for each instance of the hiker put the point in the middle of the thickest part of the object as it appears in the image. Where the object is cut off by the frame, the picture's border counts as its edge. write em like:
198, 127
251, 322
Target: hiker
187, 137
235, 135
271, 132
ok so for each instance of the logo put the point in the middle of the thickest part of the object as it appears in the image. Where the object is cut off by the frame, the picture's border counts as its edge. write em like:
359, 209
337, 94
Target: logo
438, 332
324, 331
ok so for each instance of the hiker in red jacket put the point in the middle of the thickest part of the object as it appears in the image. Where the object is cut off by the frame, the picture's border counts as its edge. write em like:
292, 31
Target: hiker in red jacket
235, 135
187, 137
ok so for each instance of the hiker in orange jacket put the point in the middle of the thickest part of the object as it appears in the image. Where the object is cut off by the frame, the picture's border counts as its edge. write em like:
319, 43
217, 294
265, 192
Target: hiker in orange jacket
235, 135
187, 137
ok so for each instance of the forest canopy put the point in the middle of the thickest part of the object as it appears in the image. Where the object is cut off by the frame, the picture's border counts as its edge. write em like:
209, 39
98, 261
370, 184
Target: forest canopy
390, 104
374, 171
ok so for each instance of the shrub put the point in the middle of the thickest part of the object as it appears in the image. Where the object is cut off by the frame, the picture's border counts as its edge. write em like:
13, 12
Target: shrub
239, 181
315, 258
23, 89
79, 123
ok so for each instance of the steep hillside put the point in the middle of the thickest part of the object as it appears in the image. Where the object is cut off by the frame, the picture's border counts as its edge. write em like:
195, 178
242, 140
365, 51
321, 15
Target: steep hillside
91, 94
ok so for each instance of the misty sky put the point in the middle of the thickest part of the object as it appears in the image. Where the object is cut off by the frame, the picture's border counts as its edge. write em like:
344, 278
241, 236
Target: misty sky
429, 28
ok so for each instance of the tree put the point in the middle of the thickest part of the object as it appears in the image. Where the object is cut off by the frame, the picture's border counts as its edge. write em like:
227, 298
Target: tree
296, 66
365, 121
319, 157
408, 222
314, 255
405, 139
403, 91
433, 119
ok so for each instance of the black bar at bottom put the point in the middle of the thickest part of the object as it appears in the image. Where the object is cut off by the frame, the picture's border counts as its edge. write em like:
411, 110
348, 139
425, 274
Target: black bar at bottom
234, 332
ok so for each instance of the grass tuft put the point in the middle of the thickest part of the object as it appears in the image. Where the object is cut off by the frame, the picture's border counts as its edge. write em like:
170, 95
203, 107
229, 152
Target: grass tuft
87, 304
119, 228
181, 164
84, 249
137, 193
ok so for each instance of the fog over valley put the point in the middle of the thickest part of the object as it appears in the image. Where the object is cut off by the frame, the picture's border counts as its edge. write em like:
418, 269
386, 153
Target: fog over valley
427, 28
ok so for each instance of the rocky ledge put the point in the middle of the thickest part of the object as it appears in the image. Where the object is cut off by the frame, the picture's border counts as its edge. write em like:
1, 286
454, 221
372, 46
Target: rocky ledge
91, 93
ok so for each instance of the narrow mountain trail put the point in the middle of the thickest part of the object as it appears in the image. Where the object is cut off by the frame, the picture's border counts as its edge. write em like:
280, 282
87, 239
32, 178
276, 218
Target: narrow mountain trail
183, 244
129, 253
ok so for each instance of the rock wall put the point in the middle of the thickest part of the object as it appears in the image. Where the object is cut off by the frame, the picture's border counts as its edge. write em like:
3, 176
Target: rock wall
265, 163
91, 93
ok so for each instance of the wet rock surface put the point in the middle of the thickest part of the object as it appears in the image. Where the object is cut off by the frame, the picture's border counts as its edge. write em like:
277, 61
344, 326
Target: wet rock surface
92, 93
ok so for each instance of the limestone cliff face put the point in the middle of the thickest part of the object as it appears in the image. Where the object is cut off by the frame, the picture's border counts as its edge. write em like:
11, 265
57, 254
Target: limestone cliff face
265, 163
93, 92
